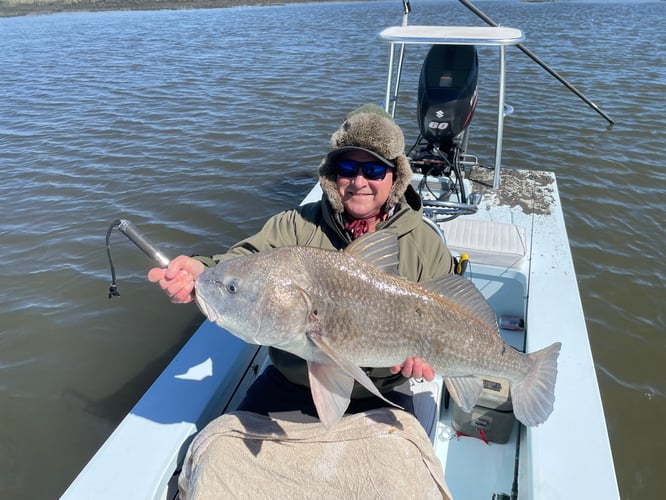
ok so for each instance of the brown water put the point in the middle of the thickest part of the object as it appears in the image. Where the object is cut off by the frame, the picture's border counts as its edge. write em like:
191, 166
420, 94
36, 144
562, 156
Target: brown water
198, 125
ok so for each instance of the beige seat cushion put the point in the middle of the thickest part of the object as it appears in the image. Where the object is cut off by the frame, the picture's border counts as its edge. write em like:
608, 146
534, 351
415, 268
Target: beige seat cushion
381, 453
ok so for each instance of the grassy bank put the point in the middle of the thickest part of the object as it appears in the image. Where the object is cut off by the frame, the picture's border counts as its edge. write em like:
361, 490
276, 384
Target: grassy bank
9, 8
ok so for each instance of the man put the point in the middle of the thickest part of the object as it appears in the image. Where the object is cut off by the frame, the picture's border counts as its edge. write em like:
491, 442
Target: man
366, 187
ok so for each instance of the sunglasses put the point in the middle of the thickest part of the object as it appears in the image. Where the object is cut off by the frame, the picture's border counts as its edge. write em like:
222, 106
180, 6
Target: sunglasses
371, 170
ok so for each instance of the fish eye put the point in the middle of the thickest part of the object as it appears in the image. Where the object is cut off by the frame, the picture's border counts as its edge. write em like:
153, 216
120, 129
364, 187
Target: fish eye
232, 286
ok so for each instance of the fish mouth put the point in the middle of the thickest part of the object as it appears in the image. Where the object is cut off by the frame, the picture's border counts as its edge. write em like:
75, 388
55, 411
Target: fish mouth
205, 308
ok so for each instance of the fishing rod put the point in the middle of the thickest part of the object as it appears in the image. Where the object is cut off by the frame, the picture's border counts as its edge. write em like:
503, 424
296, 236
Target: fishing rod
537, 60
136, 236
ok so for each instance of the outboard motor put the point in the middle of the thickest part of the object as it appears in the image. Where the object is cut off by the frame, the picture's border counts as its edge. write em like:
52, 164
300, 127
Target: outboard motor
447, 93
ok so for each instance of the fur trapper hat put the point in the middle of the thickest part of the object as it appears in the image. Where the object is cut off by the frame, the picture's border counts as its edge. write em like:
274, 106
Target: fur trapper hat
370, 129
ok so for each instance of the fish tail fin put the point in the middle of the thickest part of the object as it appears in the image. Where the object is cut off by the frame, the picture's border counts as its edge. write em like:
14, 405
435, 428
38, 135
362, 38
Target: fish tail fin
533, 396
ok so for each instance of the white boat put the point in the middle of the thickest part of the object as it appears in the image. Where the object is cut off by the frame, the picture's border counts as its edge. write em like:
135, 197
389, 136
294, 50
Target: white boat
510, 223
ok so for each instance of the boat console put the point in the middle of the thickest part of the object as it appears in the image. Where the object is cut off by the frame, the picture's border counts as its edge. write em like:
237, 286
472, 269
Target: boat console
447, 96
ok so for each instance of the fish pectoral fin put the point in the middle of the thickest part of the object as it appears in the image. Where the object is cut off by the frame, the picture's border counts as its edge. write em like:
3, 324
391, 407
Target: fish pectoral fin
346, 367
464, 390
331, 389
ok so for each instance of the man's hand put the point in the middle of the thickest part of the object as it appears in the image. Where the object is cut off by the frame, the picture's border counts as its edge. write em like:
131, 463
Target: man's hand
416, 368
177, 280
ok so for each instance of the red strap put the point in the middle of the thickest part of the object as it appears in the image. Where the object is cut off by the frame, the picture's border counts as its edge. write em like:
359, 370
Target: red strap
481, 436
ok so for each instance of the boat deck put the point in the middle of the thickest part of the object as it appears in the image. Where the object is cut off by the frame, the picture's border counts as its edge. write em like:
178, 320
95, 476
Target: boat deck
529, 202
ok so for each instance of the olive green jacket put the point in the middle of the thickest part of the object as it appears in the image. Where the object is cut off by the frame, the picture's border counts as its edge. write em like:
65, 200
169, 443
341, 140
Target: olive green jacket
422, 257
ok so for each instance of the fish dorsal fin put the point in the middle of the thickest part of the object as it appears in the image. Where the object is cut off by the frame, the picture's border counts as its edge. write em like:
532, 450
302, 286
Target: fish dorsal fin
379, 249
463, 293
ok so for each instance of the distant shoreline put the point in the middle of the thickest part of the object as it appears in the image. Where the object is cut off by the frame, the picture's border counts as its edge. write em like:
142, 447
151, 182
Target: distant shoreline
14, 8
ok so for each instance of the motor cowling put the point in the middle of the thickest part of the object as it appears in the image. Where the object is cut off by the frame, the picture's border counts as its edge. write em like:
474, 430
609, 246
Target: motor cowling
447, 93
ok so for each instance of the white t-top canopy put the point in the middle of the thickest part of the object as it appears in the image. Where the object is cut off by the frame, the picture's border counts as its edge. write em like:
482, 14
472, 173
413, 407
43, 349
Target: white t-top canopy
453, 35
